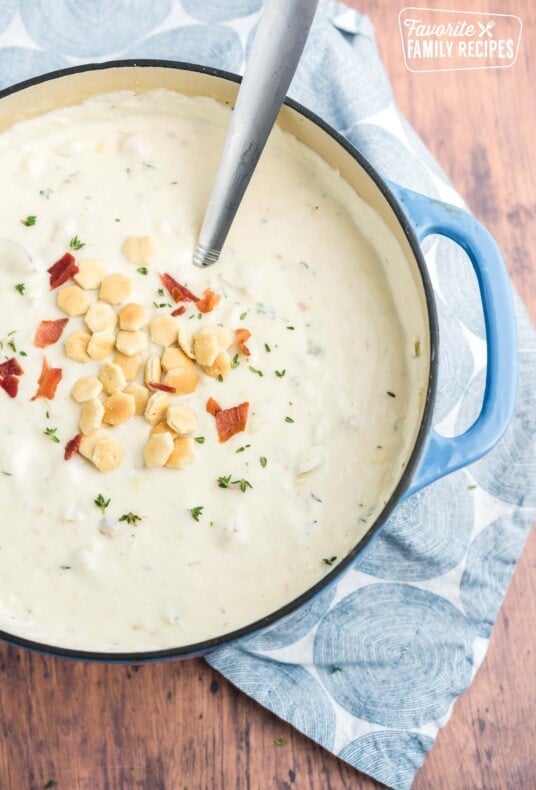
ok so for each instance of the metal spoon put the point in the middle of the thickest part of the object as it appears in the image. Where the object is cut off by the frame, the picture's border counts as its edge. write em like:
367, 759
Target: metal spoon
276, 51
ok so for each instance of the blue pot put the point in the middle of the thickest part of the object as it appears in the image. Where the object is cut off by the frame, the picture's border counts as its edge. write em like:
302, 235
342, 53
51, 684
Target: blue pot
411, 216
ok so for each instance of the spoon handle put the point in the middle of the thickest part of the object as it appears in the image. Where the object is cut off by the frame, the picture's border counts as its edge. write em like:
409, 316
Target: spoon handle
276, 50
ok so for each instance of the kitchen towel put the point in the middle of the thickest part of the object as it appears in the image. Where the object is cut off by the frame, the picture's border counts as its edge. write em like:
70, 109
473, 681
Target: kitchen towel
371, 668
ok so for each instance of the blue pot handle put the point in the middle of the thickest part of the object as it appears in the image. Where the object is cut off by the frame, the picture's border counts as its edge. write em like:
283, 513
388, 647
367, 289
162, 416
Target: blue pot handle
442, 455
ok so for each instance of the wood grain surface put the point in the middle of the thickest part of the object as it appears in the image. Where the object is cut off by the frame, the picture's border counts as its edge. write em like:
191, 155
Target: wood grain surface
180, 725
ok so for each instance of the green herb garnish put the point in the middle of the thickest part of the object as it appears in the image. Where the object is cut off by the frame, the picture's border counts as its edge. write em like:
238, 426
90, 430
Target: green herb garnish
76, 244
329, 560
142, 270
243, 315
242, 484
235, 361
220, 378
289, 419
101, 502
335, 668
199, 439
391, 394
52, 433
417, 349
50, 782
267, 347
472, 486
292, 328
280, 741
241, 449
196, 512
20, 287
163, 304
263, 461
29, 221
225, 482
280, 373
256, 371
130, 518
161, 292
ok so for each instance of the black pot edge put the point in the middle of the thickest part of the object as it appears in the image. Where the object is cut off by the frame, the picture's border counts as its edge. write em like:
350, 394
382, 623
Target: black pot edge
202, 648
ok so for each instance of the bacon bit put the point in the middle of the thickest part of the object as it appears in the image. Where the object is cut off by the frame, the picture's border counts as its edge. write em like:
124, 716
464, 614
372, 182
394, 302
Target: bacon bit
164, 387
178, 292
11, 385
241, 336
213, 407
62, 270
10, 367
208, 302
72, 446
231, 421
10, 370
179, 311
49, 332
47, 381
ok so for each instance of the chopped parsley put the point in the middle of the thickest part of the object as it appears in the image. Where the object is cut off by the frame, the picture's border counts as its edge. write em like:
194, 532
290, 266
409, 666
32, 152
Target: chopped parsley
101, 502
263, 461
162, 304
280, 741
49, 784
29, 221
235, 361
76, 244
280, 373
289, 419
391, 394
142, 270
199, 439
161, 292
242, 484
243, 315
241, 449
292, 328
256, 371
196, 512
20, 287
52, 433
130, 518
220, 378
225, 482
472, 486
417, 349
267, 347
335, 668
329, 560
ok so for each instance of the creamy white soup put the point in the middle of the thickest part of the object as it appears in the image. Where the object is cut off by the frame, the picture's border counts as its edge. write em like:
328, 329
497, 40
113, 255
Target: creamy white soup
160, 527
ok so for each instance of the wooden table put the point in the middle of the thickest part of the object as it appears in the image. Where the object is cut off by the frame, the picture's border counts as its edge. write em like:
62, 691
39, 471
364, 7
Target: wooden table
180, 725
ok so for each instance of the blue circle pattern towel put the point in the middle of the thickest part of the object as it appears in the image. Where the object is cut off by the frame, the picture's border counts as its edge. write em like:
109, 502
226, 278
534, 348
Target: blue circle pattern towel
371, 668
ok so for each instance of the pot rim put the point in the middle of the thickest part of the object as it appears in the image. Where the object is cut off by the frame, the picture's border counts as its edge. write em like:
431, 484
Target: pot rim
208, 645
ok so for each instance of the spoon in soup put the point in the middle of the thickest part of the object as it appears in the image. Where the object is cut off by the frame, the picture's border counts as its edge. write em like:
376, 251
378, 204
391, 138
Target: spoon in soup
276, 51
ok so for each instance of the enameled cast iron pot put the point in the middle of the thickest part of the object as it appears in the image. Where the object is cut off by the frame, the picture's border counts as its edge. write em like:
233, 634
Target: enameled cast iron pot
409, 216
